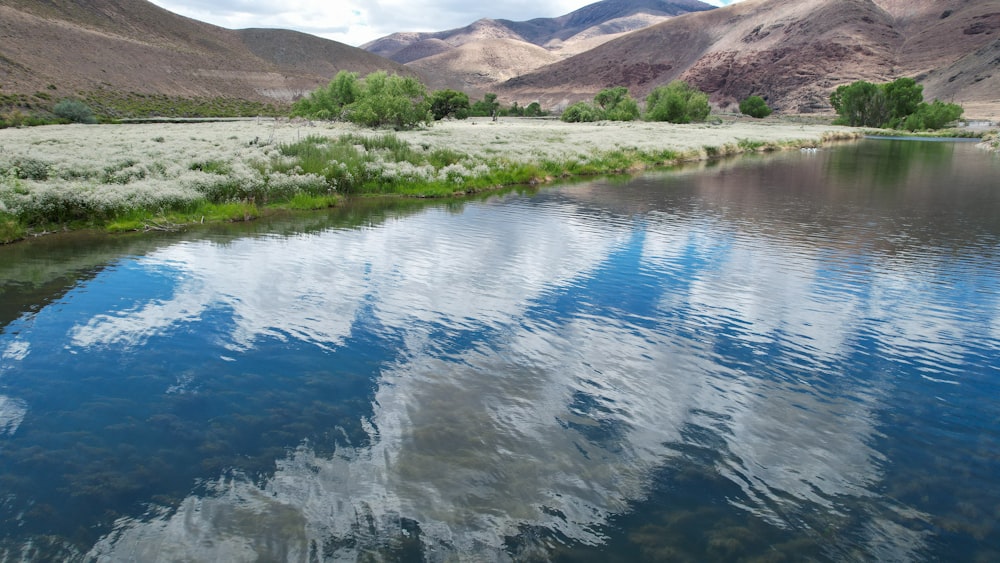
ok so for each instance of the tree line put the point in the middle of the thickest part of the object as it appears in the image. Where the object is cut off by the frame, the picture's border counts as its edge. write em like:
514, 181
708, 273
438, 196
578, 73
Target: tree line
402, 102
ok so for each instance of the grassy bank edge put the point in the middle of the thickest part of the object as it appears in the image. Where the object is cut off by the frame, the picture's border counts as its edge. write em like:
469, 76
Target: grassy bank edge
503, 172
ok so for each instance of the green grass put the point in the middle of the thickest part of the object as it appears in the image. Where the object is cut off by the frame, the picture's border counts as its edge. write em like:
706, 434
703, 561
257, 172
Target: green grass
201, 212
10, 229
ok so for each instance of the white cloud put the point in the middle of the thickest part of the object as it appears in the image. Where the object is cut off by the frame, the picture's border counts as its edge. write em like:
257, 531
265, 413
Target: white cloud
356, 22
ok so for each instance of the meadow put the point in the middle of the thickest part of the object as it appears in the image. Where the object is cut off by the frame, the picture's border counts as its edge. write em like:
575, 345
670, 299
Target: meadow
144, 176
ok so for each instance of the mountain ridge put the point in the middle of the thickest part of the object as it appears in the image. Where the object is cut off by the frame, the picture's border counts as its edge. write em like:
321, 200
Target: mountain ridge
792, 53
136, 46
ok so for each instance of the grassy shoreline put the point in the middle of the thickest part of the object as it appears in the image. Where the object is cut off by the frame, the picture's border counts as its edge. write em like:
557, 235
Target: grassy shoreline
132, 177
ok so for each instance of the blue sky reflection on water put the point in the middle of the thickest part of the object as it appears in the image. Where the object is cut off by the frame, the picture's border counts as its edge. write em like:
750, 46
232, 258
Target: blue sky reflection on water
459, 379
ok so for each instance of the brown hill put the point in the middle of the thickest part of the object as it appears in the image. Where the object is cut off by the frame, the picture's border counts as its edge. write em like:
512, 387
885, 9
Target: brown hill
476, 66
590, 26
792, 53
135, 46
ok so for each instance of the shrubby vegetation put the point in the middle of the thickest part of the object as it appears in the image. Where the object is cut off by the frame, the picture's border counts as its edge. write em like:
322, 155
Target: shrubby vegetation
755, 106
378, 100
582, 112
449, 103
897, 105
677, 102
487, 107
610, 104
74, 110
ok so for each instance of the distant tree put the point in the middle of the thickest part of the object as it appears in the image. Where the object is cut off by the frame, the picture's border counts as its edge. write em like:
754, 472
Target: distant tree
390, 100
582, 112
903, 97
861, 104
378, 100
755, 106
487, 107
534, 109
677, 102
896, 104
330, 102
934, 115
74, 110
449, 103
617, 104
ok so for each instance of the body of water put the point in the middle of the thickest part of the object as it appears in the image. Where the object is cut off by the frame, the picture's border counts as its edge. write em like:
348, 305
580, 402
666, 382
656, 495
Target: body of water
788, 357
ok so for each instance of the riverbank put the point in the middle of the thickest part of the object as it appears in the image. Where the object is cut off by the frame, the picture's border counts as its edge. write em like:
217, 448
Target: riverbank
160, 176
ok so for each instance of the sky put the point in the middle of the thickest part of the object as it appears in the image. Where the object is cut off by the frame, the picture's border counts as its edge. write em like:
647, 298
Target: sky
356, 22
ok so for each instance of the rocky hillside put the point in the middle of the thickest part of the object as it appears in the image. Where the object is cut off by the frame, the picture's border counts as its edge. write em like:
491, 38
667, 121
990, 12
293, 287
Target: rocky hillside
792, 53
68, 46
489, 50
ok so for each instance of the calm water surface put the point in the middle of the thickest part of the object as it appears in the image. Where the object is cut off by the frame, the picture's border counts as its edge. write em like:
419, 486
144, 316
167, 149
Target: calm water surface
777, 358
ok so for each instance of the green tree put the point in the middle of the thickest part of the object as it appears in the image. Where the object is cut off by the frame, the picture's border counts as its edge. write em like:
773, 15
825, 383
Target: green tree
330, 102
390, 100
534, 109
617, 104
861, 104
449, 103
677, 102
897, 104
74, 110
378, 100
582, 112
755, 106
487, 107
903, 97
934, 115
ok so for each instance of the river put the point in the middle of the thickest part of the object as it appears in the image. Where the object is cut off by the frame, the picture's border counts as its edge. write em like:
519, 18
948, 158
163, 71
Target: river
776, 357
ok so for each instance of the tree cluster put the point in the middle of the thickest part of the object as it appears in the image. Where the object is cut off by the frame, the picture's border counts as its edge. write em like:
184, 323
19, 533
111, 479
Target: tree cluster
897, 105
677, 102
378, 100
610, 104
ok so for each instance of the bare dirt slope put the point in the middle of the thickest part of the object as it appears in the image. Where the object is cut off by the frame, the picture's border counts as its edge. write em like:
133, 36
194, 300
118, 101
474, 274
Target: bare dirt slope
792, 53
135, 46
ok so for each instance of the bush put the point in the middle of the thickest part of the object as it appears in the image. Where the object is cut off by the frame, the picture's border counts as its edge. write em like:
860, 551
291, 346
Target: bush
612, 104
677, 102
581, 112
74, 111
755, 106
935, 115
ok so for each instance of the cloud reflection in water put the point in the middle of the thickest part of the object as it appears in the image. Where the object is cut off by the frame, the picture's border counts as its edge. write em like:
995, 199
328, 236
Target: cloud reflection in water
521, 398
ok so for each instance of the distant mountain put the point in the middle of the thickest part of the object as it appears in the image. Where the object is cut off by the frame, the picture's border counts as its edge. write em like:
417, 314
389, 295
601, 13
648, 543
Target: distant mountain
135, 46
548, 39
794, 53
